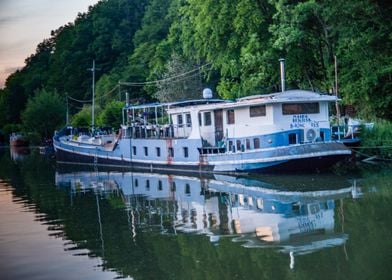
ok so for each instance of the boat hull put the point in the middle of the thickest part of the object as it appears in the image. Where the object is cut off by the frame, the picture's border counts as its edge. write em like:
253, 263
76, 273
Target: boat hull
295, 158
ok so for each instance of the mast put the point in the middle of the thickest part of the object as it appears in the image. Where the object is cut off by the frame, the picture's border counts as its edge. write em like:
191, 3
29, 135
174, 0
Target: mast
336, 90
93, 93
67, 113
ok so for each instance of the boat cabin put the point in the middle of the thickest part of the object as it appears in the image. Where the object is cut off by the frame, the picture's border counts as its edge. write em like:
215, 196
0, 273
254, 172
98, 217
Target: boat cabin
261, 121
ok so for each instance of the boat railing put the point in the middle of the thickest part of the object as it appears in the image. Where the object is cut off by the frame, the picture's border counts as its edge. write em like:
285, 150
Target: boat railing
153, 131
211, 150
339, 132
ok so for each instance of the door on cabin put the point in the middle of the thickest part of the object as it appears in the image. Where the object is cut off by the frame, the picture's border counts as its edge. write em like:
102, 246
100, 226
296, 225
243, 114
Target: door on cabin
218, 120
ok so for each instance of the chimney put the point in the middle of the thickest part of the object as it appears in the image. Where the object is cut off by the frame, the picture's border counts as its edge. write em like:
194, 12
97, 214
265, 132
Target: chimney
282, 74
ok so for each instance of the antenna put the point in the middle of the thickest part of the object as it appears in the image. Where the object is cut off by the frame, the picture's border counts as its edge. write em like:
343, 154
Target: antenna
336, 89
93, 92
282, 74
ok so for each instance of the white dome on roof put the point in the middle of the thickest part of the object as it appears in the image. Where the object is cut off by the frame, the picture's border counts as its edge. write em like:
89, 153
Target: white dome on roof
207, 93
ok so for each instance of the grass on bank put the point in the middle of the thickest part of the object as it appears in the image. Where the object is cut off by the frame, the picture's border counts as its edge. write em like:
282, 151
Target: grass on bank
377, 141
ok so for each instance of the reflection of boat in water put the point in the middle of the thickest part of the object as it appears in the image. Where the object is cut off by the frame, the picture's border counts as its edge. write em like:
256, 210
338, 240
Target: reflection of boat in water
19, 152
247, 210
18, 140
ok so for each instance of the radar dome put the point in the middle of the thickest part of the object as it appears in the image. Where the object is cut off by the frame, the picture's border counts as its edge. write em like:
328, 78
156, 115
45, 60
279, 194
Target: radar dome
207, 93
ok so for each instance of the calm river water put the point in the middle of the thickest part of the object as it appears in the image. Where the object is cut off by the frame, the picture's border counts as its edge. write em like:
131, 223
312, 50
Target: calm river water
62, 222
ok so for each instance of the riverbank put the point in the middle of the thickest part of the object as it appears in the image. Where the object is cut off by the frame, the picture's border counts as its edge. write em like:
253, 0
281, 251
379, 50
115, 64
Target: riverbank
376, 143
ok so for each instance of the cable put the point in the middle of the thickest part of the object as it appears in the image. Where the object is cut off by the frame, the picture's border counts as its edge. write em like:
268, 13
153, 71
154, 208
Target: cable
107, 93
96, 98
162, 80
77, 100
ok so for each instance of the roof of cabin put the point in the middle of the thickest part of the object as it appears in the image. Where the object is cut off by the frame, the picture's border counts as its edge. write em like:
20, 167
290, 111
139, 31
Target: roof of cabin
296, 95
184, 103
290, 96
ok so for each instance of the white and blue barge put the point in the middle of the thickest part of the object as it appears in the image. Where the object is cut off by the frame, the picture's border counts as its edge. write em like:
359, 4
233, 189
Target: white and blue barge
287, 131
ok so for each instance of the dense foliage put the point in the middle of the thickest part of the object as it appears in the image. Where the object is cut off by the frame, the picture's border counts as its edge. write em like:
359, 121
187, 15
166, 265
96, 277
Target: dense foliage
233, 46
43, 113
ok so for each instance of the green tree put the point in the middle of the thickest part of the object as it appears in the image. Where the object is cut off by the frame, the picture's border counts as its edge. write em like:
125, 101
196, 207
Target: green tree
174, 87
364, 55
111, 115
82, 118
147, 61
44, 113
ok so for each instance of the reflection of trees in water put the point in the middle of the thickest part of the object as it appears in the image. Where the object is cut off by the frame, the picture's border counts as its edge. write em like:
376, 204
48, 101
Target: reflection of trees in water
151, 254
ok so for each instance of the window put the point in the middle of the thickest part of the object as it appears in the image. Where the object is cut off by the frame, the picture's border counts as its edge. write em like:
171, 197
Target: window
170, 151
207, 118
300, 108
231, 147
158, 150
147, 185
160, 185
256, 143
146, 151
248, 144
173, 186
187, 189
186, 153
179, 120
188, 120
260, 203
134, 150
136, 183
292, 138
230, 117
257, 111
296, 208
238, 145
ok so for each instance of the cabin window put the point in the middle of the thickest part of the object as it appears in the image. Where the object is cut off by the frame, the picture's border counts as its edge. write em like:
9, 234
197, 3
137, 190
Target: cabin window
260, 203
147, 185
248, 144
300, 108
146, 151
230, 117
238, 142
173, 186
160, 185
179, 120
187, 189
158, 150
188, 120
257, 111
292, 138
207, 118
231, 147
186, 152
170, 152
296, 208
134, 150
136, 183
256, 143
